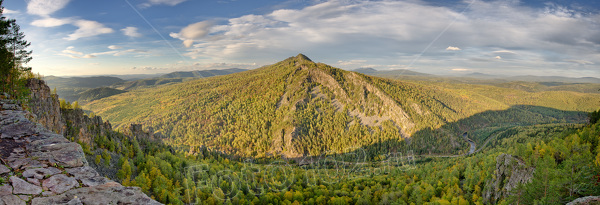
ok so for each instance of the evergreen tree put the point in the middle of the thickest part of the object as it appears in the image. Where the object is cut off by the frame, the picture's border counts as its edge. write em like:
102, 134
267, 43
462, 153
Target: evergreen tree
594, 116
13, 56
17, 45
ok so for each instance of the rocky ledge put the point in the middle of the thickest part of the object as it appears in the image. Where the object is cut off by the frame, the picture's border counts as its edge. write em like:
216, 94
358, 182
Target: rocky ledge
41, 167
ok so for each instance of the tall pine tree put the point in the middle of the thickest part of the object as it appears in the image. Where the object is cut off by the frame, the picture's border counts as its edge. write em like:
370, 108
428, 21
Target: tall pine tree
13, 57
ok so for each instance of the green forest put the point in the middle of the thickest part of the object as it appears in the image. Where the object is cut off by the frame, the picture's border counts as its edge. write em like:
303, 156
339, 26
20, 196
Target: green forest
298, 108
299, 132
565, 157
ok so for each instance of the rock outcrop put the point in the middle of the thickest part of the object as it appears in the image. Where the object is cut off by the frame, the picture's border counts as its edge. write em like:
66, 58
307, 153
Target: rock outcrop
45, 106
510, 172
84, 127
137, 130
39, 166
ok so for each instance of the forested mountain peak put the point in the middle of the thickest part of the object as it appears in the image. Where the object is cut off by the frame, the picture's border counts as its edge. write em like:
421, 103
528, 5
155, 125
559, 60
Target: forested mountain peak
302, 57
297, 108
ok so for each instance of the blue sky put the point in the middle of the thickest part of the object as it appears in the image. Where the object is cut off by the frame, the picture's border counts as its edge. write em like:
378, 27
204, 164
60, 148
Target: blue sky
507, 37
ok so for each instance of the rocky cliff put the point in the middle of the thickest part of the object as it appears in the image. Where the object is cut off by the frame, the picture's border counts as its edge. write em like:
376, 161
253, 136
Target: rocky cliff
45, 106
83, 127
510, 172
39, 166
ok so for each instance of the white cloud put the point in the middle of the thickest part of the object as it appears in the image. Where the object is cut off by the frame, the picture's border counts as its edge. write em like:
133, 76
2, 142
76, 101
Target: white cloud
452, 48
113, 47
393, 32
45, 7
460, 69
119, 53
8, 11
351, 62
88, 29
210, 66
131, 32
498, 57
505, 52
51, 22
192, 32
150, 3
69, 52
147, 68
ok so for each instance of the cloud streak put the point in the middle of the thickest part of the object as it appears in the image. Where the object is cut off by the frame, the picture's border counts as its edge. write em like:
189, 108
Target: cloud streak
115, 51
150, 3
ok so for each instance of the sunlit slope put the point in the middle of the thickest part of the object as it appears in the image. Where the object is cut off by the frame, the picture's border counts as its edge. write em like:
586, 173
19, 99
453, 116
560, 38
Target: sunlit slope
297, 107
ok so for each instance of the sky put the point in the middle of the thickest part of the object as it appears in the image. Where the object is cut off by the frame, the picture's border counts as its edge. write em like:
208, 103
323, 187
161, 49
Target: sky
501, 37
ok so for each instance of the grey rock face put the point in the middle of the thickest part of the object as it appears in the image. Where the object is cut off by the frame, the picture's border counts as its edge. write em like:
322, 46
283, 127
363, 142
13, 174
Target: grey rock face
4, 169
60, 183
510, 172
40, 173
88, 176
40, 156
5, 190
585, 200
57, 149
45, 106
95, 181
111, 193
83, 172
12, 200
22, 187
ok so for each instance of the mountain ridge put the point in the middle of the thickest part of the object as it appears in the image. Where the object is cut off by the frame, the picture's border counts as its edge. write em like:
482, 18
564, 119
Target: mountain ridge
300, 108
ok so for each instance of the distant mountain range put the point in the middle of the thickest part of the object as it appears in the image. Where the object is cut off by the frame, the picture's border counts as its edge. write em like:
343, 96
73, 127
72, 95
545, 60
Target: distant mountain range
477, 75
72, 88
85, 89
201, 73
373, 72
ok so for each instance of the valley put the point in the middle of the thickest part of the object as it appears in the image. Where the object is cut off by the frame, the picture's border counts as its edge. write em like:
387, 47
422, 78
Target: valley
194, 102
310, 133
